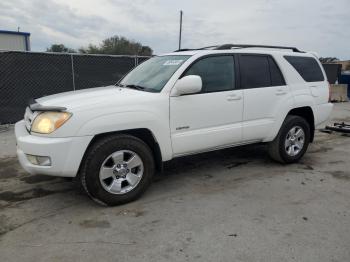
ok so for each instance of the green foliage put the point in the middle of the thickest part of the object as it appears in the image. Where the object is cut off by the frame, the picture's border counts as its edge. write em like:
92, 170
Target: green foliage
60, 48
328, 59
118, 45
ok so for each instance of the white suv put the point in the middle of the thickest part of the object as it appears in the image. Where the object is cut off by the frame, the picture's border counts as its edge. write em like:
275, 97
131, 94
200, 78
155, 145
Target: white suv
186, 102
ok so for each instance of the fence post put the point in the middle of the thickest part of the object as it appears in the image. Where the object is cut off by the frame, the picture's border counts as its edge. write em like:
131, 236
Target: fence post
73, 76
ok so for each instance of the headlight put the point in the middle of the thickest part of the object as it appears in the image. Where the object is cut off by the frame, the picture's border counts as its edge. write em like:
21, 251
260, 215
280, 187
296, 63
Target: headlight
47, 122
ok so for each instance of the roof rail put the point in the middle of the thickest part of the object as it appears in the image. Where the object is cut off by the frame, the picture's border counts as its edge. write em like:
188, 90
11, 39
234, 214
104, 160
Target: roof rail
185, 49
213, 47
231, 46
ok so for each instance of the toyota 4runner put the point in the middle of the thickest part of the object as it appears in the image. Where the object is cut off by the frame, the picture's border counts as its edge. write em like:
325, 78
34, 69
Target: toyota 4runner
190, 101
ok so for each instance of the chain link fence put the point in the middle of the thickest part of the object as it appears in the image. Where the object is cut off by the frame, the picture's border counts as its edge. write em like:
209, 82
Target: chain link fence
26, 75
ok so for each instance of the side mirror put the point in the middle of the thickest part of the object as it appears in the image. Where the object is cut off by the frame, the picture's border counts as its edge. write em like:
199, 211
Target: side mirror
187, 85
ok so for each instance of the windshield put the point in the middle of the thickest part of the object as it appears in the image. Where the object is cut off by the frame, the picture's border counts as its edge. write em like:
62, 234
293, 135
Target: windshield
154, 73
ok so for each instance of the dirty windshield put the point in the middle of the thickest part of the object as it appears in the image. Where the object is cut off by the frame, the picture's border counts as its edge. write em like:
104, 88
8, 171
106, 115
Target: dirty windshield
153, 74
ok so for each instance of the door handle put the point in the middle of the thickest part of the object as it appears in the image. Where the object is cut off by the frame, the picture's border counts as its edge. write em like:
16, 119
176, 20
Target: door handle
280, 92
234, 97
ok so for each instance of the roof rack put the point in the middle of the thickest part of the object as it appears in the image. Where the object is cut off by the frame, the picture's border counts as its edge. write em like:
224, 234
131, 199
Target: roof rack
231, 46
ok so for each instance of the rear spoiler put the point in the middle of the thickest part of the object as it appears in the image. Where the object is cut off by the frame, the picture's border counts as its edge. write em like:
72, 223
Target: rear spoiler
35, 106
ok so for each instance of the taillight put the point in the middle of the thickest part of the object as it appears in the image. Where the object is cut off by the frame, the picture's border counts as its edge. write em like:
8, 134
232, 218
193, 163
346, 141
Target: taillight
329, 92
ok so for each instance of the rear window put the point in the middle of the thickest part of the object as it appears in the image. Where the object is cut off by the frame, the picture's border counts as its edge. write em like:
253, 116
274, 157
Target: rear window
307, 67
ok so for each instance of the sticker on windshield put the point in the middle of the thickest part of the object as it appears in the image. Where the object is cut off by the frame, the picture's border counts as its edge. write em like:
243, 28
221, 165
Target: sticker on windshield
173, 62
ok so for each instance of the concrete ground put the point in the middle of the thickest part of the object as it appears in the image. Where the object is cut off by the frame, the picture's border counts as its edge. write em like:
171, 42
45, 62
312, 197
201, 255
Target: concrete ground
230, 205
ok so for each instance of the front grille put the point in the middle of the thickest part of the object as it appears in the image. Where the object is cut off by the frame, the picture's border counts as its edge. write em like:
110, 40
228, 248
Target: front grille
28, 118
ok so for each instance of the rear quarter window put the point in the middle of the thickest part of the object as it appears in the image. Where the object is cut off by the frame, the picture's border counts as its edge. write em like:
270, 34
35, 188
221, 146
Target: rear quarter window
307, 67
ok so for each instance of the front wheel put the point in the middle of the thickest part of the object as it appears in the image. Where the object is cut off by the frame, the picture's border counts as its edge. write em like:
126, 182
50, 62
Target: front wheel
292, 140
117, 169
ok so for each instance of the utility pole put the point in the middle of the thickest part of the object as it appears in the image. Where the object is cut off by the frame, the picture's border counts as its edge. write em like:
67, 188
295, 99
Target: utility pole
180, 35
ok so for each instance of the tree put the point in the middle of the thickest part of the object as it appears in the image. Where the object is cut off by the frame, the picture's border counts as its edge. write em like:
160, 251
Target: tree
328, 59
60, 48
118, 45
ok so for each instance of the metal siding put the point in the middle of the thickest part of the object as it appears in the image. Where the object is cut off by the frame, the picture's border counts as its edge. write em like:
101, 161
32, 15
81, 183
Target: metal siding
345, 79
12, 42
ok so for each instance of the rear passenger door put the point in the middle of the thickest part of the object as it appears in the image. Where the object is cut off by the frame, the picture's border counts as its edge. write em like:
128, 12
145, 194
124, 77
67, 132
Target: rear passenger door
265, 95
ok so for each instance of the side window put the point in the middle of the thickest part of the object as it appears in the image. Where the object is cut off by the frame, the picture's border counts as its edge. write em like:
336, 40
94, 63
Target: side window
307, 67
255, 71
276, 75
217, 73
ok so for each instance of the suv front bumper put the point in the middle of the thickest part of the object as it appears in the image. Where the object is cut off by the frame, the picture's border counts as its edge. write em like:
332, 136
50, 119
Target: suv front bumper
65, 153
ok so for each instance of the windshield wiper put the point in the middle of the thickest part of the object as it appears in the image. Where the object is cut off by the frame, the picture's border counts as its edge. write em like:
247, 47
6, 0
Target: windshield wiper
120, 85
137, 87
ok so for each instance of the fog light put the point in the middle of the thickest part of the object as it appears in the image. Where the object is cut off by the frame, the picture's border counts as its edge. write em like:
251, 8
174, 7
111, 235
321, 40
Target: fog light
39, 160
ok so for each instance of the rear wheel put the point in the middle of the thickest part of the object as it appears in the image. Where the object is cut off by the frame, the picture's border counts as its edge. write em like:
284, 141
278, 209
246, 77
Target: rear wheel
292, 140
117, 169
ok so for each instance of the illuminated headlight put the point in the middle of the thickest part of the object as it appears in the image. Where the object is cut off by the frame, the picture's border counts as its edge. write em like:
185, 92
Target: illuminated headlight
47, 122
39, 160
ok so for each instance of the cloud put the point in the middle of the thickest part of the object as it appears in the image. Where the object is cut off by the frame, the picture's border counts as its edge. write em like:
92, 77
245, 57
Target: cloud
49, 22
318, 25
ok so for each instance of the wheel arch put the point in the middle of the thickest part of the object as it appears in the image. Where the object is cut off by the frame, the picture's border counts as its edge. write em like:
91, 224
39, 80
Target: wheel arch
306, 113
143, 134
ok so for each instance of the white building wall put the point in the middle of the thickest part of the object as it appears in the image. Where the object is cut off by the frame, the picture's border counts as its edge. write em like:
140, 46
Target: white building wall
13, 42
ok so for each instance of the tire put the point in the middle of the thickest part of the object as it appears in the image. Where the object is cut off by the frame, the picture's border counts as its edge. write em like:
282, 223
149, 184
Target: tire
103, 158
278, 149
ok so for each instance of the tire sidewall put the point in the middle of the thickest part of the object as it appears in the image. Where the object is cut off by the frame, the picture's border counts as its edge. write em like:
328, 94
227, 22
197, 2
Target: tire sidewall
287, 126
94, 163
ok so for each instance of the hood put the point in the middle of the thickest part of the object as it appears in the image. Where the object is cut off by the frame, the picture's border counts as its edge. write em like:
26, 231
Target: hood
94, 97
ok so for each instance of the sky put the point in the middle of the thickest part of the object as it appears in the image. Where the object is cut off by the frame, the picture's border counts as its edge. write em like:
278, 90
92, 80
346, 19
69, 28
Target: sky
322, 26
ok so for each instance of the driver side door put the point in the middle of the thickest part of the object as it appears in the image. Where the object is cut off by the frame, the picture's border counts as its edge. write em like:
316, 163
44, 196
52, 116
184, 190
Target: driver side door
212, 118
